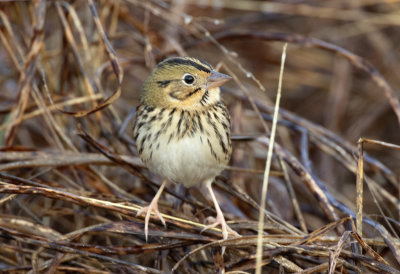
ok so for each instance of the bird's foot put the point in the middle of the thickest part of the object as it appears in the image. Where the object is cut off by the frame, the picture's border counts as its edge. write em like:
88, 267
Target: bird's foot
220, 220
153, 206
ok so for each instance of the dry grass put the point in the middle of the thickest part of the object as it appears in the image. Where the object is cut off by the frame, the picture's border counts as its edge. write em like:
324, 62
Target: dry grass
70, 179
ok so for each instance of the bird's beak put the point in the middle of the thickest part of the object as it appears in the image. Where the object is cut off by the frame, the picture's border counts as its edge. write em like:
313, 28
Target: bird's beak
216, 79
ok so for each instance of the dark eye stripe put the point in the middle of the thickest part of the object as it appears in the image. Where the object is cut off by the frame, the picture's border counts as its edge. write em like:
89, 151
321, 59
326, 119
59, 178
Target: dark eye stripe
182, 61
163, 84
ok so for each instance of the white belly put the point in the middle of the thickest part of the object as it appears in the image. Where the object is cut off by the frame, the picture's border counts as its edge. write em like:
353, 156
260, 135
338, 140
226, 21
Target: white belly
188, 161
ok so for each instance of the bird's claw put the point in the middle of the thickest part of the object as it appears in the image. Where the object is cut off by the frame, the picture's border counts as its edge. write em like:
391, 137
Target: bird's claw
220, 220
148, 209
224, 227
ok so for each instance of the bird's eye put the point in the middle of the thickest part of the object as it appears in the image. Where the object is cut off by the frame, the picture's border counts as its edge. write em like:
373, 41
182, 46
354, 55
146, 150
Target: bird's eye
188, 79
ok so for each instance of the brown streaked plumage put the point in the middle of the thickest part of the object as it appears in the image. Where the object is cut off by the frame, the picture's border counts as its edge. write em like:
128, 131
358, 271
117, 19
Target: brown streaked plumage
182, 128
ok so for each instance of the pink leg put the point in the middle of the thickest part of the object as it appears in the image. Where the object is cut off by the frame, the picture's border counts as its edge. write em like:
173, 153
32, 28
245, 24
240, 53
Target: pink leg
220, 220
153, 206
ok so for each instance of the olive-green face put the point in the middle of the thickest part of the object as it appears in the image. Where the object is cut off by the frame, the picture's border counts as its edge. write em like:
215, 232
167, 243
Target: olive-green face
179, 82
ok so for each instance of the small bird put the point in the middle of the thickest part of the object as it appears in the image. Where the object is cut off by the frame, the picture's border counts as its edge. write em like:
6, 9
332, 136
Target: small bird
182, 128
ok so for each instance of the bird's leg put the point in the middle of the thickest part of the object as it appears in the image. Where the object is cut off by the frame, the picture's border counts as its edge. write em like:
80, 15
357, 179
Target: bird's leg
153, 206
220, 220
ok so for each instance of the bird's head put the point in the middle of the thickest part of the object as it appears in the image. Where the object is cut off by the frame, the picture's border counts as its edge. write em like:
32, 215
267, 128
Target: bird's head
182, 82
